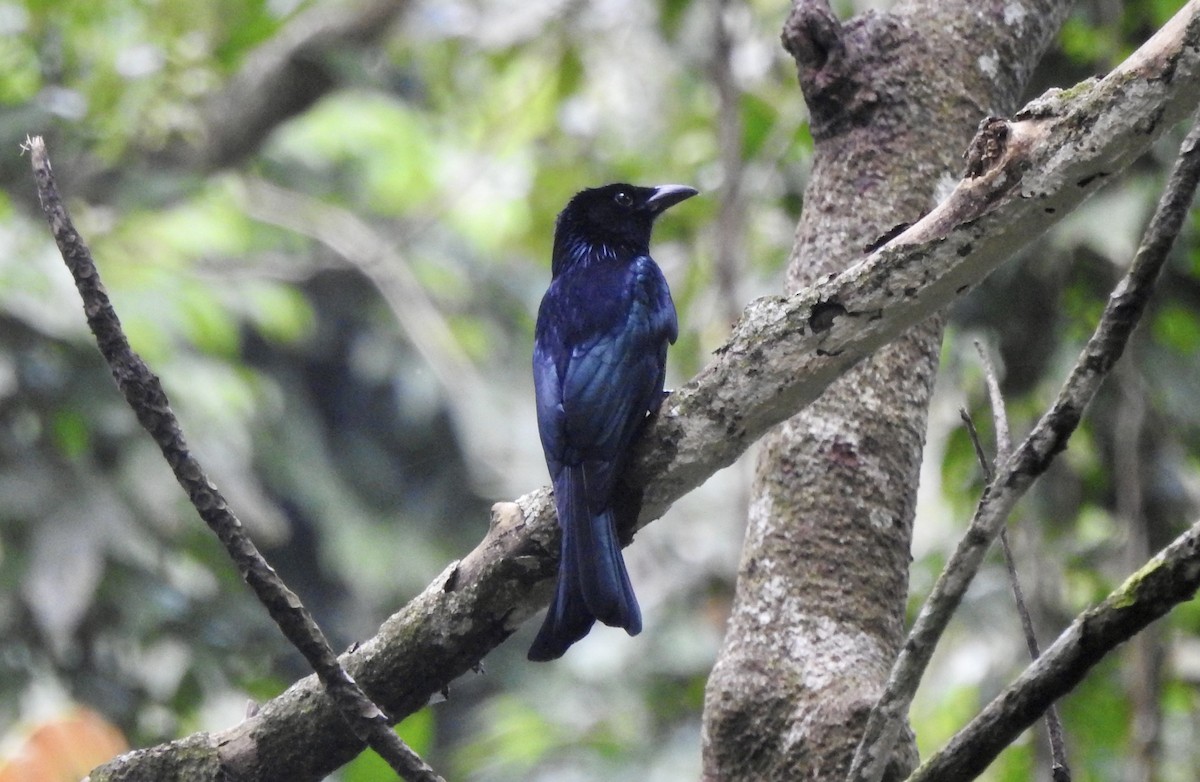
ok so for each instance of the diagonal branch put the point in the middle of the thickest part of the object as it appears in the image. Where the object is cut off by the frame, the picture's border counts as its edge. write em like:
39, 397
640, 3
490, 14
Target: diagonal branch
1170, 578
285, 76
1018, 472
1059, 770
785, 351
144, 392
1144, 597
781, 356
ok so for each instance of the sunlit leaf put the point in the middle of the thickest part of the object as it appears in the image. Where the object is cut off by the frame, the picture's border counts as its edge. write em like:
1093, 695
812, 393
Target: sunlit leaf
1178, 328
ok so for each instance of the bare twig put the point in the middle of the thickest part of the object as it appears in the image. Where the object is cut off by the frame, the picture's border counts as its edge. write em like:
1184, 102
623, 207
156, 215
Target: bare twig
730, 234
144, 393
1121, 315
1170, 578
1060, 771
1018, 472
976, 443
999, 411
1022, 610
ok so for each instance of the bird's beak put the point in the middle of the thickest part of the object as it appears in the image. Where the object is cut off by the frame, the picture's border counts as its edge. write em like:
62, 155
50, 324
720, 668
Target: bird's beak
666, 196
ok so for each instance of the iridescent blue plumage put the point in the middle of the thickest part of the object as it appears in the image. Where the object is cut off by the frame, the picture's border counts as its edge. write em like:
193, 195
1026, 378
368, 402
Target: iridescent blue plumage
599, 363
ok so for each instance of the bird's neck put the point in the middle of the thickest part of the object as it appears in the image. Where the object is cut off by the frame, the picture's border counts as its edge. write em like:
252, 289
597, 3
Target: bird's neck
572, 255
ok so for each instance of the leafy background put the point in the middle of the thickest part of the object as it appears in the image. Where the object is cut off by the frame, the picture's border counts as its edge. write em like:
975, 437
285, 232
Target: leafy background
340, 304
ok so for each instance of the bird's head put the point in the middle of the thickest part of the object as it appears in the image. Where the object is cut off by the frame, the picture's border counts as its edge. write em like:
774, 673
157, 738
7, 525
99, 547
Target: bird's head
614, 218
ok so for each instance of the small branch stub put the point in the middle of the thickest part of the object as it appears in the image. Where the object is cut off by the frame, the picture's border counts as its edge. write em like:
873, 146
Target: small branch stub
988, 146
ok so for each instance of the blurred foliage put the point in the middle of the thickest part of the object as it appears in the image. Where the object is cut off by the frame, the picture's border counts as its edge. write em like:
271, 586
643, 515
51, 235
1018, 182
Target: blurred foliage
341, 310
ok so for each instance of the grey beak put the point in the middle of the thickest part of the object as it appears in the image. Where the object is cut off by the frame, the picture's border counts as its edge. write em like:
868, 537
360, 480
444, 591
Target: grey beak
666, 196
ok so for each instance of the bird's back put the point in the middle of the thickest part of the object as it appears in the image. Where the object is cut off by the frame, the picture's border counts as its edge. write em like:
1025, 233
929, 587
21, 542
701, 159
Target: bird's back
604, 328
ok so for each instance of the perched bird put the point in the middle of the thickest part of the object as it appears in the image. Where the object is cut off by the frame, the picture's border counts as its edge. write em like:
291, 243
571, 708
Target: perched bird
599, 362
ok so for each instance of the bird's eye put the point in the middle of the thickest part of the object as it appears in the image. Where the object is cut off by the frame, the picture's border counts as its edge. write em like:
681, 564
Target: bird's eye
623, 199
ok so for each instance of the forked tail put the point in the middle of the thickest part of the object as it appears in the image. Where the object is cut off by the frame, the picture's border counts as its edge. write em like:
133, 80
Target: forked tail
592, 580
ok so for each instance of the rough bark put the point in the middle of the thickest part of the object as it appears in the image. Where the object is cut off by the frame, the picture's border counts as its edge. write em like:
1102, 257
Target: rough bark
818, 613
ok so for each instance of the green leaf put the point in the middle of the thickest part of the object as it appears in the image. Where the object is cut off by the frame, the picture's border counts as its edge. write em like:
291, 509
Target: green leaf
758, 119
71, 431
20, 75
1178, 328
207, 324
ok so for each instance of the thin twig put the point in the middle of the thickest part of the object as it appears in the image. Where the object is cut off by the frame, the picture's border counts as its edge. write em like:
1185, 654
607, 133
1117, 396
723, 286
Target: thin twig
1145, 656
973, 434
730, 235
1122, 313
1170, 578
1018, 472
999, 410
144, 393
1060, 771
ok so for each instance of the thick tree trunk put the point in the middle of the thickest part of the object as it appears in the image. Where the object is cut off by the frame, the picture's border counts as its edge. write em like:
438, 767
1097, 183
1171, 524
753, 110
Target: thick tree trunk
818, 614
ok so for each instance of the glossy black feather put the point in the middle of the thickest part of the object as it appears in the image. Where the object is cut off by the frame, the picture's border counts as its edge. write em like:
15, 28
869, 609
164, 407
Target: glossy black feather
599, 363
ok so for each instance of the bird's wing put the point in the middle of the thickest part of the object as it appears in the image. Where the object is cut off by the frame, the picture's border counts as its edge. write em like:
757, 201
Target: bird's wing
614, 378
547, 386
653, 297
598, 365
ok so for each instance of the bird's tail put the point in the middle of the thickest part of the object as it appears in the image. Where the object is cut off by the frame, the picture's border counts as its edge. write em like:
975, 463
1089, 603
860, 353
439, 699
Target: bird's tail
592, 580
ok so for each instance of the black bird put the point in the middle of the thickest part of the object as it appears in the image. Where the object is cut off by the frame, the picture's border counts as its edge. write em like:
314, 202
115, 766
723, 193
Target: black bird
599, 362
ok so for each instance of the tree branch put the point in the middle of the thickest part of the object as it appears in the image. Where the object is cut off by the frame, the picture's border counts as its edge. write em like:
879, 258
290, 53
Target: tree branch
284, 77
1018, 472
1060, 771
781, 356
144, 393
999, 412
785, 351
1170, 578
